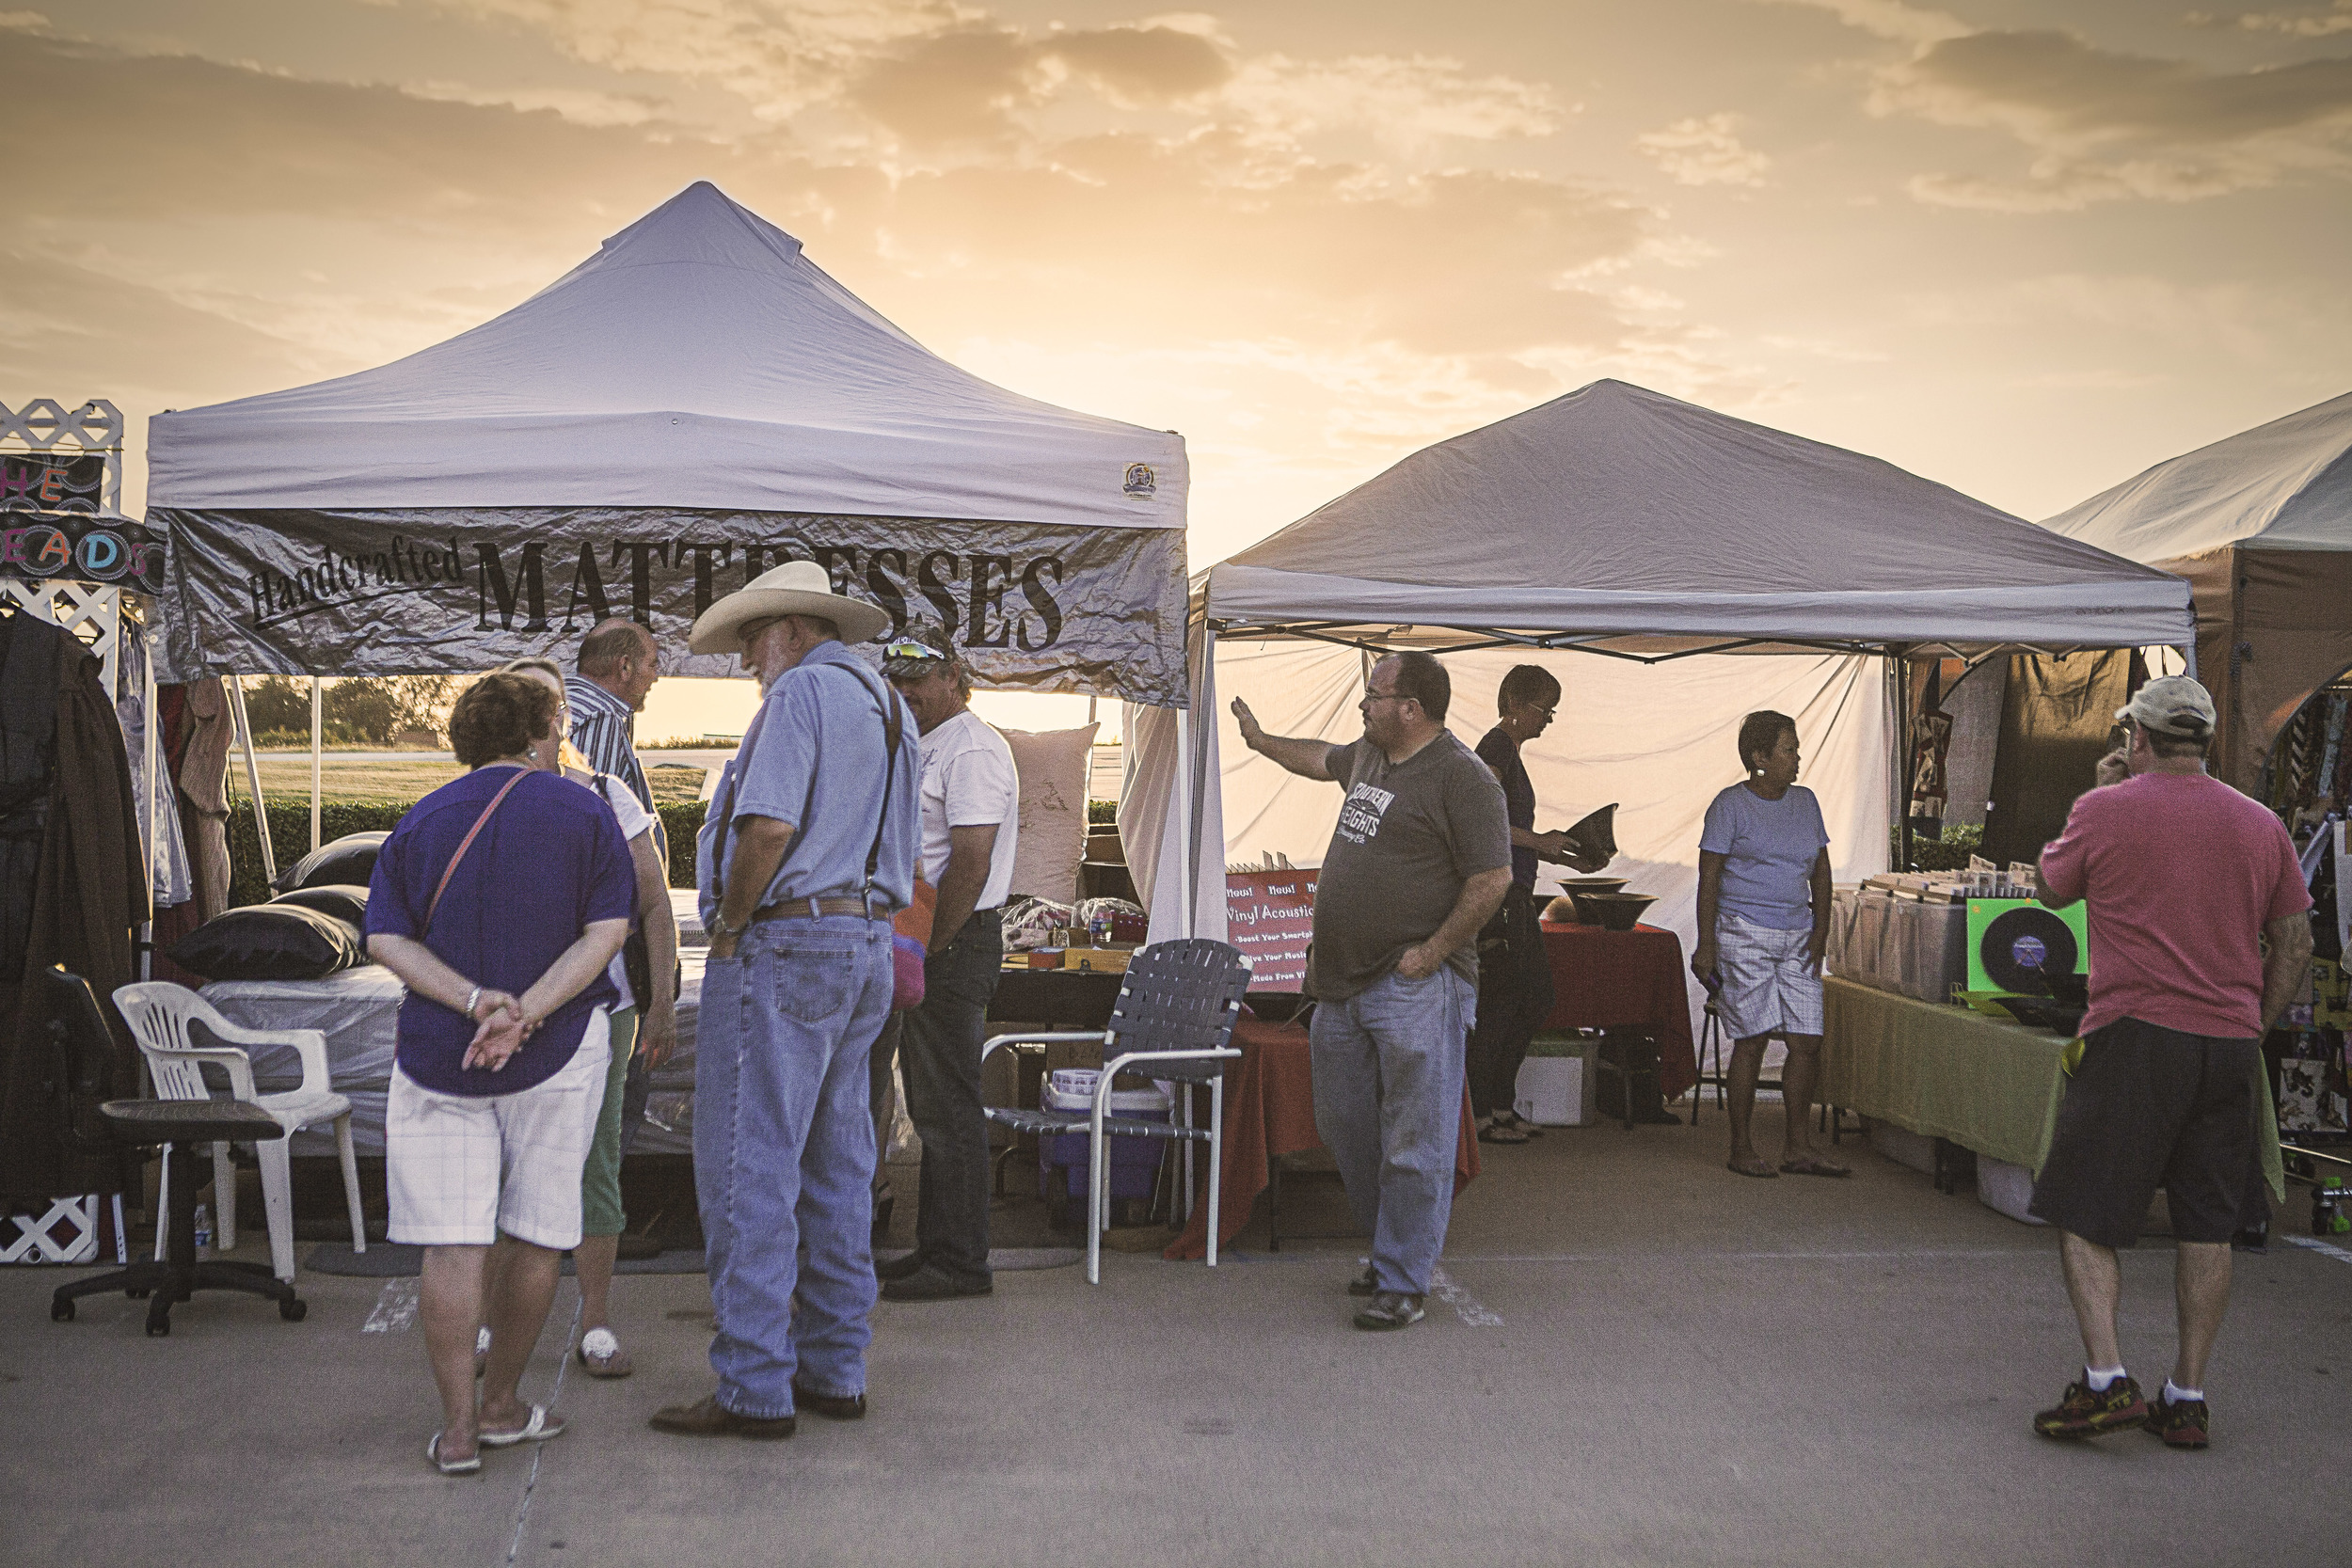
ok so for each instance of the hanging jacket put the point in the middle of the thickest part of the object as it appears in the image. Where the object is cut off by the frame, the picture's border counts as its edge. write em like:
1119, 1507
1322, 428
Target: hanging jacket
89, 890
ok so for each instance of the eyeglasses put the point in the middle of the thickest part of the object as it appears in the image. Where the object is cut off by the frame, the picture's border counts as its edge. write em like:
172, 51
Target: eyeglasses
1372, 697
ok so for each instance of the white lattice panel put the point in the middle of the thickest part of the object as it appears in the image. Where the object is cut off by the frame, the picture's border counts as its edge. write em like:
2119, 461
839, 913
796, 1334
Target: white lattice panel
43, 425
67, 1234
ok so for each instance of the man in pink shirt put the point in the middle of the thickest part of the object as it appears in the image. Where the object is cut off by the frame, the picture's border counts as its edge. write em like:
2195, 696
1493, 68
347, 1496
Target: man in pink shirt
2184, 875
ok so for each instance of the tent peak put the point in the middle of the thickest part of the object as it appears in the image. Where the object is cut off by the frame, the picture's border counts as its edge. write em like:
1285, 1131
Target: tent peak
702, 223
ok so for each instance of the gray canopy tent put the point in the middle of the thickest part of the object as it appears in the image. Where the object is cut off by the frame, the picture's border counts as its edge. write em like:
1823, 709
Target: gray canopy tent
1624, 525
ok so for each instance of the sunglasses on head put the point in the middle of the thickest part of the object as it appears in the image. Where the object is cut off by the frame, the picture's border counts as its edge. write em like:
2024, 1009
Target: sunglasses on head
910, 650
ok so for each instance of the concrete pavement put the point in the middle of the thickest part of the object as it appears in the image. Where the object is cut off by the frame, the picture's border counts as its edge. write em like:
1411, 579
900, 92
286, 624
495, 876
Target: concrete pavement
1639, 1358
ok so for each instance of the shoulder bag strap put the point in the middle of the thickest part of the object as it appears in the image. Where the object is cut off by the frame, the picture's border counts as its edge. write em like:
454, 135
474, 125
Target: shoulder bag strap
472, 833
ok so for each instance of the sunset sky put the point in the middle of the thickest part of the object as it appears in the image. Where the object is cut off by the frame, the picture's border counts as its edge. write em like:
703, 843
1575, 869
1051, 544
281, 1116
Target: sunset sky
2024, 249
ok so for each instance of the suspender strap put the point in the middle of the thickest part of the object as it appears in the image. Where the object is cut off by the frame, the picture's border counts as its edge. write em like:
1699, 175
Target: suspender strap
472, 833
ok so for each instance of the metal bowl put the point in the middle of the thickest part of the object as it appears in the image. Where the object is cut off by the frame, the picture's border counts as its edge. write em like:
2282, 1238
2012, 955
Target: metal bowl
1615, 911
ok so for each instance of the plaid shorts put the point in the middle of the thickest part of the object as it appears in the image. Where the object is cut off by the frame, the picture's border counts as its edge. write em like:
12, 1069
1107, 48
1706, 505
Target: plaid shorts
1769, 984
461, 1168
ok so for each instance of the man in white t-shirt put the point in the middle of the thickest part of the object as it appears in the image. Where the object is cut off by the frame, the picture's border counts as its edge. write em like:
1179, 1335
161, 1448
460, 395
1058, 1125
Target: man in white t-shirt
970, 821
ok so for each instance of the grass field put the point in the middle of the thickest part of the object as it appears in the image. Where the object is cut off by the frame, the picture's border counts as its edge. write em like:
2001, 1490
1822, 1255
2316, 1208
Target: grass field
374, 778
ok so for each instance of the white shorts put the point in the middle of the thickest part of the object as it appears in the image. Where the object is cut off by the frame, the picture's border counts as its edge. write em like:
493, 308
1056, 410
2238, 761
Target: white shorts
460, 1168
1769, 984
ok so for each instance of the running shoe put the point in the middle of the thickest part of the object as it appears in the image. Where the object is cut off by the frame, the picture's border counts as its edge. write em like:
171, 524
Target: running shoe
2181, 1426
2086, 1413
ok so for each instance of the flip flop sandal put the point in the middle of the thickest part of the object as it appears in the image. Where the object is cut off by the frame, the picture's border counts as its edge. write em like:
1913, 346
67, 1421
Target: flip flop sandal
600, 1353
541, 1427
1813, 1167
451, 1467
1766, 1174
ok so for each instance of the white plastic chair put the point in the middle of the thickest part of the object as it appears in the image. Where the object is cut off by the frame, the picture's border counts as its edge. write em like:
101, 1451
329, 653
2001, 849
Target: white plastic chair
159, 1014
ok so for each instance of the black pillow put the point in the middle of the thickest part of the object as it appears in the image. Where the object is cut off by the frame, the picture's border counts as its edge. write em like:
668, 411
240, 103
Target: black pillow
347, 861
341, 899
270, 942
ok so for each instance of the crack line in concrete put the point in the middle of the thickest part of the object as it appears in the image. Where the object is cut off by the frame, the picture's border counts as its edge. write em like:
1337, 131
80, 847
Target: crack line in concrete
2326, 1249
1466, 1307
395, 1309
539, 1451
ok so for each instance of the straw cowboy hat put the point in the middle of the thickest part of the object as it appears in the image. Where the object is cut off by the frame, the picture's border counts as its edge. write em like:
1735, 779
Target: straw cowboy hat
795, 587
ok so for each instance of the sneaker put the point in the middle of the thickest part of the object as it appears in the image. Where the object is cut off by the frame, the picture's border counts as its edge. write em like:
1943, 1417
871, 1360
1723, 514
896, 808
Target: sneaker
1365, 1284
1493, 1130
2085, 1413
2181, 1426
1512, 1120
1391, 1309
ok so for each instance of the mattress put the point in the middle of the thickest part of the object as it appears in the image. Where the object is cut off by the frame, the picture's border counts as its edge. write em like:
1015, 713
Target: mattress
359, 1012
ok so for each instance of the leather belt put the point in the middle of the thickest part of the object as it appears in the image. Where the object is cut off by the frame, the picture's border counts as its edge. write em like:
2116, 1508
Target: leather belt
810, 909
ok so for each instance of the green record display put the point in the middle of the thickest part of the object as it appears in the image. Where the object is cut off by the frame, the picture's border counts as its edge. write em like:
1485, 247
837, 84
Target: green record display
2014, 945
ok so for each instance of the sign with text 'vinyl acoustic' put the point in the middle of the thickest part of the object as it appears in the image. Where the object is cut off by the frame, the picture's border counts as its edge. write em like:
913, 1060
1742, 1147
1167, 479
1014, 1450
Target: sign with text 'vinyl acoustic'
1270, 915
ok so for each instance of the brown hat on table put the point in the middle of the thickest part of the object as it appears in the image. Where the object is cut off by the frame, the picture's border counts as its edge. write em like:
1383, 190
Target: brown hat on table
2171, 705
795, 587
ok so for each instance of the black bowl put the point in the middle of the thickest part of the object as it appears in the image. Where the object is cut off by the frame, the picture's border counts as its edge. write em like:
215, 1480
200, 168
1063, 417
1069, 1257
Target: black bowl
1615, 911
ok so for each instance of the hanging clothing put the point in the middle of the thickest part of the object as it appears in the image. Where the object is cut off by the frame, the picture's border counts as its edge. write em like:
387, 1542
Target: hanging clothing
157, 801
206, 732
87, 890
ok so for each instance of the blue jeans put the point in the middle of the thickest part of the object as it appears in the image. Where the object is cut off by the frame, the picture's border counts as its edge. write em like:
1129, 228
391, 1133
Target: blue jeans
1387, 1068
784, 1153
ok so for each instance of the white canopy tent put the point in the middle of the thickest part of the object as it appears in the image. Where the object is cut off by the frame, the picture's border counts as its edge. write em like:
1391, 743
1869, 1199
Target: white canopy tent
698, 359
2261, 526
1638, 547
692, 405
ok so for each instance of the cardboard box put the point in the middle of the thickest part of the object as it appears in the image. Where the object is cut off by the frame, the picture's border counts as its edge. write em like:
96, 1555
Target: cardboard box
1099, 960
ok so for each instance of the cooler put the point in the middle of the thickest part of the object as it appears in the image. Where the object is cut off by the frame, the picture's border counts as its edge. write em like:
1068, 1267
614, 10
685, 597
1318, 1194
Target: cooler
1061, 1158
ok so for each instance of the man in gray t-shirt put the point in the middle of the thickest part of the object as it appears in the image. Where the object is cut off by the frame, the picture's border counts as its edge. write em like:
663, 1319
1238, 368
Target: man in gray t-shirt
1419, 860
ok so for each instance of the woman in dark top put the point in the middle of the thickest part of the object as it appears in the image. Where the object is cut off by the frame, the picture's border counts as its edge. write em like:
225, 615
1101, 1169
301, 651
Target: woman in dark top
498, 901
1515, 992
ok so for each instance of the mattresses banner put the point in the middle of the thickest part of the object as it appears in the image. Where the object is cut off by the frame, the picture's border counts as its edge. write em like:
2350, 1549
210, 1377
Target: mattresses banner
1033, 607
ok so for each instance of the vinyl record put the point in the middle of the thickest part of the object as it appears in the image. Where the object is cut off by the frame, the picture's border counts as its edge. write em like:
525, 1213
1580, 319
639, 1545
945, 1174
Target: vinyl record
2022, 948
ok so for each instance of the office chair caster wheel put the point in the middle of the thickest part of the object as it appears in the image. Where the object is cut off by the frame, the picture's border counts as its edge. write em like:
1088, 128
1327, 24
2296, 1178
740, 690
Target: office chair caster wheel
294, 1309
137, 1292
62, 1311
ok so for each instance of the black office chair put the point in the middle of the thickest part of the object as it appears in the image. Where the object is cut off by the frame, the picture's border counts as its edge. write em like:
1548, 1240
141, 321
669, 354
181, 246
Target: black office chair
66, 1011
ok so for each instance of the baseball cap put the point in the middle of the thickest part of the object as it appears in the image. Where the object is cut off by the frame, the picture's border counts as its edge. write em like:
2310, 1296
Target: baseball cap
2171, 705
917, 651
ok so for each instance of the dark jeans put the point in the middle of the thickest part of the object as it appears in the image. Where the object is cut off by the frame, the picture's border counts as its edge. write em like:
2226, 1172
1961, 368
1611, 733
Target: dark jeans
939, 1056
1514, 996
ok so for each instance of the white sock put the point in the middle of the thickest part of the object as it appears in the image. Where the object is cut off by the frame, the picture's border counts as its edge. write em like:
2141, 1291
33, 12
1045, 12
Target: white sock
2175, 1394
2100, 1378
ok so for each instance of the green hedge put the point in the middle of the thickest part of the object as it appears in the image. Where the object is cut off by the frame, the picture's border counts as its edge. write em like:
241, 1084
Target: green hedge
1948, 853
290, 835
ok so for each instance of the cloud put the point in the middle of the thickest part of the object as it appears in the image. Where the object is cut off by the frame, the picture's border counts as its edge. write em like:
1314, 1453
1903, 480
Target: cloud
2307, 25
964, 85
1705, 152
1888, 19
2105, 126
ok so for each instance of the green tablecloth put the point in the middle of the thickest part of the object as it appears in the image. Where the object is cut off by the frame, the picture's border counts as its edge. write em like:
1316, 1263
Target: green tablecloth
1947, 1072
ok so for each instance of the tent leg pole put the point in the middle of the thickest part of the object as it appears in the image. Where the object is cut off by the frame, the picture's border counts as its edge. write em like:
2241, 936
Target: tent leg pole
318, 715
1185, 846
252, 775
1903, 761
150, 762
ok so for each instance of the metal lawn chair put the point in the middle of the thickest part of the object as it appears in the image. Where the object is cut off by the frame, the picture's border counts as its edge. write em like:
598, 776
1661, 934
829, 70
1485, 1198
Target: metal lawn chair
1173, 1022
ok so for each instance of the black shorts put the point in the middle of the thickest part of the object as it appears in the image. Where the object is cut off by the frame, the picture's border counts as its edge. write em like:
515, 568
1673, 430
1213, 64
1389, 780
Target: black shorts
2150, 1107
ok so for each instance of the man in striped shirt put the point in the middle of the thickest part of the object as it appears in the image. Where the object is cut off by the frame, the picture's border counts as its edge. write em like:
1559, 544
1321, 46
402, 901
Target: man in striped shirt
616, 669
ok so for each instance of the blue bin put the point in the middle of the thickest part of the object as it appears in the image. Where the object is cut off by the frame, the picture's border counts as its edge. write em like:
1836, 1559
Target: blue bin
1061, 1158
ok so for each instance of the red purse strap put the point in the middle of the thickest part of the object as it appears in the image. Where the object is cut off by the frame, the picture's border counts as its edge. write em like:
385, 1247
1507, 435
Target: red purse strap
472, 833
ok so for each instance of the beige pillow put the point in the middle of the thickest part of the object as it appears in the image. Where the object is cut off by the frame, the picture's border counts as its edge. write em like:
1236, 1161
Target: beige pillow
1054, 766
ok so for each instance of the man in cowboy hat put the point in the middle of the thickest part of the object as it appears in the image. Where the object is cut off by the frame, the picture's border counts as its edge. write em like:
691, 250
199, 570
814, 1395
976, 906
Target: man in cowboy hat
807, 850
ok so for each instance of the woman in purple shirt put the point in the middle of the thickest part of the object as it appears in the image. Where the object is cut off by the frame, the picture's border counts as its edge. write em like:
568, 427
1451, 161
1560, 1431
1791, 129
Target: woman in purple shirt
498, 901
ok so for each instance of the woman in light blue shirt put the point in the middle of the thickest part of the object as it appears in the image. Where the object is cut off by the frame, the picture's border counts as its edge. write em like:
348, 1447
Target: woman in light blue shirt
1764, 903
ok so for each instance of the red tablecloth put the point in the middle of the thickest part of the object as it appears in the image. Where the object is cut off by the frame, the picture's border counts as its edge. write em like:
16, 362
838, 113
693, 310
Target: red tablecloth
1602, 977
1270, 1112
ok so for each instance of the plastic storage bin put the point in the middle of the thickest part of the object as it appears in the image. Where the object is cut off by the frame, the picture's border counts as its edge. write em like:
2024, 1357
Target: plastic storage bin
1062, 1168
